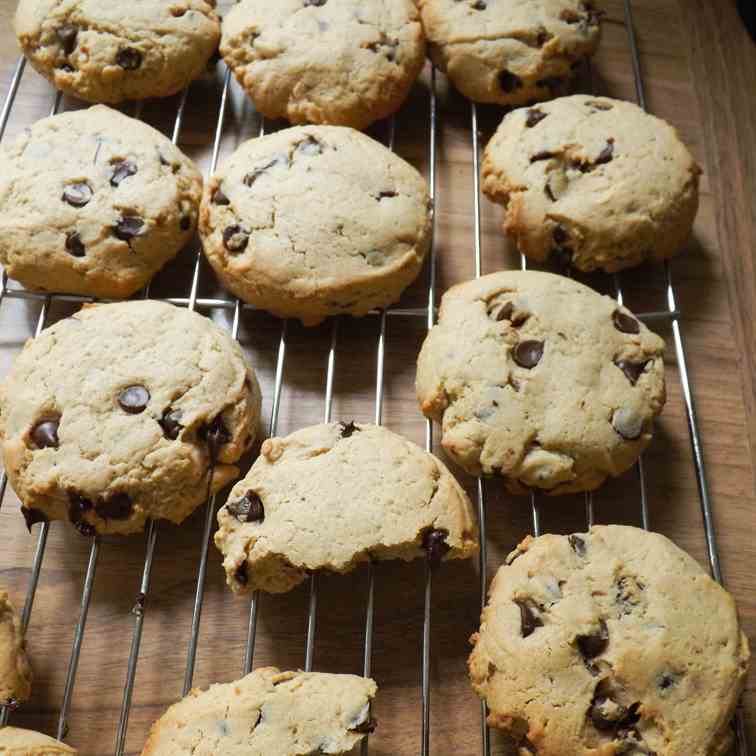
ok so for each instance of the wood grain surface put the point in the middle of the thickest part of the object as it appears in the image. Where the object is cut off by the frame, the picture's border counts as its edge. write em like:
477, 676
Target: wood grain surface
698, 67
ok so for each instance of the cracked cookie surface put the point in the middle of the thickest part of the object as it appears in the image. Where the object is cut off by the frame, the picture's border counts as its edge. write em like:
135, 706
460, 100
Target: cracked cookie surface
331, 496
17, 742
541, 380
597, 183
341, 62
609, 642
94, 202
125, 412
15, 670
509, 52
363, 245
106, 51
268, 713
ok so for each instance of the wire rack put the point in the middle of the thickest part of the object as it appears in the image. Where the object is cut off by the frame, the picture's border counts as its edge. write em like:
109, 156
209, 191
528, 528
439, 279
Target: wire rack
193, 301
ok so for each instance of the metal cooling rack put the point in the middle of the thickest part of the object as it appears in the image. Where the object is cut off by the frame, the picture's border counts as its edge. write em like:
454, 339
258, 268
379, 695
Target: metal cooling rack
671, 314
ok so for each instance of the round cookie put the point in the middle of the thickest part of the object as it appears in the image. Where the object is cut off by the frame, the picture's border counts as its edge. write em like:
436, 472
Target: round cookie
125, 412
94, 202
609, 642
597, 183
541, 380
510, 52
342, 62
315, 221
329, 497
17, 742
15, 670
106, 51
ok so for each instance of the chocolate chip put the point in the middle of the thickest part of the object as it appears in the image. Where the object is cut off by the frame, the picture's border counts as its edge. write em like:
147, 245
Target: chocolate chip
625, 323
549, 192
505, 312
628, 423
116, 507
240, 575
122, 169
535, 116
347, 429
45, 434
528, 354
214, 435
128, 227
129, 58
632, 370
66, 35
529, 619
577, 544
248, 509
309, 146
594, 644
387, 194
33, 516
77, 194
316, 3
366, 727
134, 399
543, 155
509, 82
77, 506
667, 680
606, 155
254, 174
543, 37
74, 245
235, 238
479, 5
185, 223
434, 543
67, 68
628, 593
560, 235
170, 424
609, 715
219, 198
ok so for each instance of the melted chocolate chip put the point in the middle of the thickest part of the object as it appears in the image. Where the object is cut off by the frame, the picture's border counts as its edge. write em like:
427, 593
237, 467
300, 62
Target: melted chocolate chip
632, 370
240, 575
434, 543
128, 227
77, 195
248, 509
45, 434
606, 155
235, 238
129, 58
509, 82
122, 169
77, 506
527, 354
347, 429
625, 323
577, 544
74, 244
116, 507
543, 155
594, 644
170, 424
529, 619
66, 35
535, 116
219, 198
134, 399
505, 312
33, 516
214, 435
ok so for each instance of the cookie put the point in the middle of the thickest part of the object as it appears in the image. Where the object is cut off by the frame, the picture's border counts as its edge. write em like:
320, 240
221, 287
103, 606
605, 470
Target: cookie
15, 670
541, 380
510, 53
609, 642
105, 51
596, 183
315, 221
268, 712
125, 412
17, 742
332, 496
94, 202
342, 62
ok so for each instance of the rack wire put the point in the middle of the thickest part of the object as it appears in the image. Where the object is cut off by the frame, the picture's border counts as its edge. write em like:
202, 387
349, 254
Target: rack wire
194, 302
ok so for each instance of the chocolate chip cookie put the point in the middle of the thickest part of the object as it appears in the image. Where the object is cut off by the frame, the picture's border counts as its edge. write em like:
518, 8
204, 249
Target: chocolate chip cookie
510, 53
125, 412
105, 51
315, 221
592, 182
268, 712
17, 742
342, 62
609, 642
15, 670
94, 202
331, 496
541, 380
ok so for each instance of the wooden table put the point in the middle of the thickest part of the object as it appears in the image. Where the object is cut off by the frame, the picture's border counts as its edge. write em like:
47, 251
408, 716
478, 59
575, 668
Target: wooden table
698, 67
